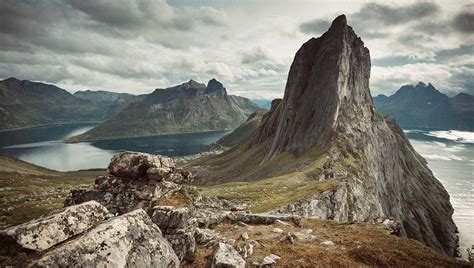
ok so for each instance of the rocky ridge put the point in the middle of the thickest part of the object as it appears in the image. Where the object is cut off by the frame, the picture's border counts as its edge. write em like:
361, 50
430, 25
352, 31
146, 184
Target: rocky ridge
327, 117
189, 107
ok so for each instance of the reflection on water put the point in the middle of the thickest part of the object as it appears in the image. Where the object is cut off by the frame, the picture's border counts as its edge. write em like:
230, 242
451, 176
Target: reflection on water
42, 146
451, 159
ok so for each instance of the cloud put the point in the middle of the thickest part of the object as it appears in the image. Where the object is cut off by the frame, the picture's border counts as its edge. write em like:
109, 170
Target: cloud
464, 21
139, 45
254, 56
372, 14
316, 26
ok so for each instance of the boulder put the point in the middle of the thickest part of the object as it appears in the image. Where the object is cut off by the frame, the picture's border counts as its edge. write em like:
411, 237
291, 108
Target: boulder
136, 165
169, 217
183, 243
204, 236
124, 241
54, 228
225, 256
177, 228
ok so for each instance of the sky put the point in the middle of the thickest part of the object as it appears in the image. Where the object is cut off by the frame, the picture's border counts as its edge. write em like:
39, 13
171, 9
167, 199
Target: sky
136, 46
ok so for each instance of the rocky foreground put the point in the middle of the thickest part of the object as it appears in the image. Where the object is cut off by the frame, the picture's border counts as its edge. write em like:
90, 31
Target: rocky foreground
144, 214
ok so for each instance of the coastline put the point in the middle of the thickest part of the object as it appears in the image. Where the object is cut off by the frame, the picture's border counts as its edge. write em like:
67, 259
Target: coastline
143, 136
52, 124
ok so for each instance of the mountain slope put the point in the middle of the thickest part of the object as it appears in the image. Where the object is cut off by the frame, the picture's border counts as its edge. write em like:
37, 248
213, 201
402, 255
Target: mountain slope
424, 106
326, 131
25, 103
189, 107
108, 103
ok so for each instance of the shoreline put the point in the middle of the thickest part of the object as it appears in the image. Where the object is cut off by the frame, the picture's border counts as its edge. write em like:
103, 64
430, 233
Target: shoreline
52, 124
143, 136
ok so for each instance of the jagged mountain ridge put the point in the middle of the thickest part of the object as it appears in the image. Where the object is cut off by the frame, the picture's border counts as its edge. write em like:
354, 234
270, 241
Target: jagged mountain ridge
189, 107
25, 103
422, 106
327, 117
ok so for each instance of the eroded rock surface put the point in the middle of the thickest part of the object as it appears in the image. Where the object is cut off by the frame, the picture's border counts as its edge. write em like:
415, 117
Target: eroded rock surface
129, 240
225, 256
49, 230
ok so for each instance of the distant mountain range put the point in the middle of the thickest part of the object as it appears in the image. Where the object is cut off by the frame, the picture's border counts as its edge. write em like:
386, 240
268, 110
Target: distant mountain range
26, 104
189, 107
422, 106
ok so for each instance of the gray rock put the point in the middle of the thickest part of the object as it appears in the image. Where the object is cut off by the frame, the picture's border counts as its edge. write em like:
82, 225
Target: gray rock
277, 230
176, 226
393, 227
136, 165
266, 219
328, 244
169, 217
270, 260
128, 240
306, 234
225, 256
56, 227
204, 236
183, 243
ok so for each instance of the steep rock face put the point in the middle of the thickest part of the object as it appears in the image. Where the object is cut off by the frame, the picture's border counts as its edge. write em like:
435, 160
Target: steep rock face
324, 75
189, 107
327, 108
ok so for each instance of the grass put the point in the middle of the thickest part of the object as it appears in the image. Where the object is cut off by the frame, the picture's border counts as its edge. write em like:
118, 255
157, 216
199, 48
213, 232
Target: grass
28, 191
357, 245
268, 194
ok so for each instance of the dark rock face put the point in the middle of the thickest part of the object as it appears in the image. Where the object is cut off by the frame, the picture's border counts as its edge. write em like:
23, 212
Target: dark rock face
422, 106
326, 72
327, 107
189, 107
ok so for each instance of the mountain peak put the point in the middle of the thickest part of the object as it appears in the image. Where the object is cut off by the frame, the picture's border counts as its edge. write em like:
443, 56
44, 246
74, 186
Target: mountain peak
339, 22
215, 87
327, 72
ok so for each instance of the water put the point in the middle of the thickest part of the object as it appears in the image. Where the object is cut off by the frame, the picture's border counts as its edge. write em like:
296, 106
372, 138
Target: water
42, 146
450, 155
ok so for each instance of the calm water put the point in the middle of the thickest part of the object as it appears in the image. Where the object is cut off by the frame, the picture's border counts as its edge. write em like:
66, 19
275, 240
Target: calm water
450, 155
42, 146
450, 158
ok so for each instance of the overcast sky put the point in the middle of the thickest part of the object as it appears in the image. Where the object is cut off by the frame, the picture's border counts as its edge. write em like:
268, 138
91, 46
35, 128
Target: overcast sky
137, 46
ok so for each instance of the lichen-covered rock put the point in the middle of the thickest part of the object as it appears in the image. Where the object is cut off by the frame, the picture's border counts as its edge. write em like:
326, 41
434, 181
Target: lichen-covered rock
122, 195
130, 240
225, 256
176, 225
136, 165
54, 228
183, 243
169, 217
